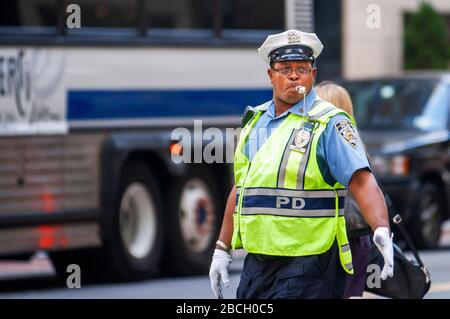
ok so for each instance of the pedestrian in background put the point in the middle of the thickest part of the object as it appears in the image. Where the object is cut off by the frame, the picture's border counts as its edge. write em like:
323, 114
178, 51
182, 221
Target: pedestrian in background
358, 230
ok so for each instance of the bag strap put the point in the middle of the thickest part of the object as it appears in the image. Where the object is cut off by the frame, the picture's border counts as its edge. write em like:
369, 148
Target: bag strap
398, 220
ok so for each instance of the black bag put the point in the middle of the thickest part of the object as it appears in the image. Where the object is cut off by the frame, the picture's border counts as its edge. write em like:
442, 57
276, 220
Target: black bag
411, 278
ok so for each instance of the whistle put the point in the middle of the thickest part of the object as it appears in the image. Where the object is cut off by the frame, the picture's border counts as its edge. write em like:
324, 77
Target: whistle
300, 89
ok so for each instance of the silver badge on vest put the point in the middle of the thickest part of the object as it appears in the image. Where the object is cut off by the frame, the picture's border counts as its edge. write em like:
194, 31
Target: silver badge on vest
301, 140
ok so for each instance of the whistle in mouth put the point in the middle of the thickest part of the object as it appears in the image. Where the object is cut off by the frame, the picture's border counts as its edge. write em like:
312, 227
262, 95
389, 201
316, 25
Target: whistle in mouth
300, 89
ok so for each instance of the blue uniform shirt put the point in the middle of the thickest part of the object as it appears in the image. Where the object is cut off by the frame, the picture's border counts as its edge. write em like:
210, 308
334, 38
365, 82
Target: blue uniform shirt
337, 158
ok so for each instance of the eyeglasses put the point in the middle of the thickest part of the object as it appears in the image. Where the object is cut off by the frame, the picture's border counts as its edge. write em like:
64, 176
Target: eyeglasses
288, 70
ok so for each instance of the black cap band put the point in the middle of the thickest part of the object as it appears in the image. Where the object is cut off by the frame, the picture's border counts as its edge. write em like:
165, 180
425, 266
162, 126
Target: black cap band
292, 53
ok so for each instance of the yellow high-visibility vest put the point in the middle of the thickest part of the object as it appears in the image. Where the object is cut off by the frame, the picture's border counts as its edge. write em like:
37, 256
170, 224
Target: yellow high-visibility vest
284, 207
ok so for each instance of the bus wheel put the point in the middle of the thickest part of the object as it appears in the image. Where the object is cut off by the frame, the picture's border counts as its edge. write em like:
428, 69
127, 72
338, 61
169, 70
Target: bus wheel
137, 225
195, 217
426, 223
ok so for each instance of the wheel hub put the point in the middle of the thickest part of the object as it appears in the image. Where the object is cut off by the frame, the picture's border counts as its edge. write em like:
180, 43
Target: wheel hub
196, 215
137, 220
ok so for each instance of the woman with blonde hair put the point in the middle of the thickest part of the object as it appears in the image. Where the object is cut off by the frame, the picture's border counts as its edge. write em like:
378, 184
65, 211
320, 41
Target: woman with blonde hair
357, 228
336, 95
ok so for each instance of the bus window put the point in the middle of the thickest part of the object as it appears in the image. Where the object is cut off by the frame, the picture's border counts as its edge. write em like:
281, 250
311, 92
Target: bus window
32, 15
253, 14
180, 14
205, 22
108, 13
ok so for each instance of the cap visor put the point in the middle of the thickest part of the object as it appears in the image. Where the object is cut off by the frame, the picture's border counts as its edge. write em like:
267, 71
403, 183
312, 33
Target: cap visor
293, 57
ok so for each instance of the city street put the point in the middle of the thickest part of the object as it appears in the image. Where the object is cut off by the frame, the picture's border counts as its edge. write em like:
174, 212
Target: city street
36, 280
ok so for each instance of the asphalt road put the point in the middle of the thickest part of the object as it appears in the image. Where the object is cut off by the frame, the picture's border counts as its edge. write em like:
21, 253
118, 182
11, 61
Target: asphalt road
40, 282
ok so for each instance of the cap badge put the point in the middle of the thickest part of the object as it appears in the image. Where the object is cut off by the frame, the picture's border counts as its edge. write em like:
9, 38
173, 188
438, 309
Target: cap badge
293, 37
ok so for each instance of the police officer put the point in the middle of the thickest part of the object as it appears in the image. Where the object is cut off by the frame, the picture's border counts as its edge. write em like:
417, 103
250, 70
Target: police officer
295, 158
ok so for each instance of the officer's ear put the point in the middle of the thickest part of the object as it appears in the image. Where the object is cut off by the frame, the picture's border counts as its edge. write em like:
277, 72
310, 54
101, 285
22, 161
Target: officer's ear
270, 73
314, 69
314, 72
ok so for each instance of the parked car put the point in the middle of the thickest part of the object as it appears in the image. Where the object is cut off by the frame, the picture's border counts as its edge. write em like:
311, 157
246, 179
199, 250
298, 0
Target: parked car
405, 124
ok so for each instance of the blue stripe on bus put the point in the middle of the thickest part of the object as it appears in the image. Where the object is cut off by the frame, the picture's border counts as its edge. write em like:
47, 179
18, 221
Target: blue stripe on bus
114, 104
310, 203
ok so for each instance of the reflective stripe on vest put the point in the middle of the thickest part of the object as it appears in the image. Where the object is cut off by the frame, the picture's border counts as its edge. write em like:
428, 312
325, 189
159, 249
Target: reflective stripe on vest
345, 248
292, 203
287, 212
346, 257
251, 191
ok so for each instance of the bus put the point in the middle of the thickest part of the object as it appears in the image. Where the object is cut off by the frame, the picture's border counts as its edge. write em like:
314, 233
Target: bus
90, 94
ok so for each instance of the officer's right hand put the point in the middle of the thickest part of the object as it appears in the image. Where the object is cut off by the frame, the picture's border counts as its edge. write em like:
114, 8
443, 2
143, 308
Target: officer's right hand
218, 272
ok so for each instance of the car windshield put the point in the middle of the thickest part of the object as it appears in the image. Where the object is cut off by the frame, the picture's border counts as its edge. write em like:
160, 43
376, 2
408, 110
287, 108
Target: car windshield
393, 104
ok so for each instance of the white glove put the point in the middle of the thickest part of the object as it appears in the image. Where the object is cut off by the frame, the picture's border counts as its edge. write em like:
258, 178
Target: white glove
220, 264
383, 242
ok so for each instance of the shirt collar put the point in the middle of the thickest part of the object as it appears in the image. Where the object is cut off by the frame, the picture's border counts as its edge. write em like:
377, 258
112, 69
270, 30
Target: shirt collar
296, 108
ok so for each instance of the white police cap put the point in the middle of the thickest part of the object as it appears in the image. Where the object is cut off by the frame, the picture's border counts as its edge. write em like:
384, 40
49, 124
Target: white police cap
290, 45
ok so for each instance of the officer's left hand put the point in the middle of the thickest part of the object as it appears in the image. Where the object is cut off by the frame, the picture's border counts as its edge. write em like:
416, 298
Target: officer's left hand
383, 242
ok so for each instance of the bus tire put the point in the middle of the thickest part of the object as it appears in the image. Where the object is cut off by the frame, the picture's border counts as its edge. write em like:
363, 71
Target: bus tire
195, 217
137, 225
